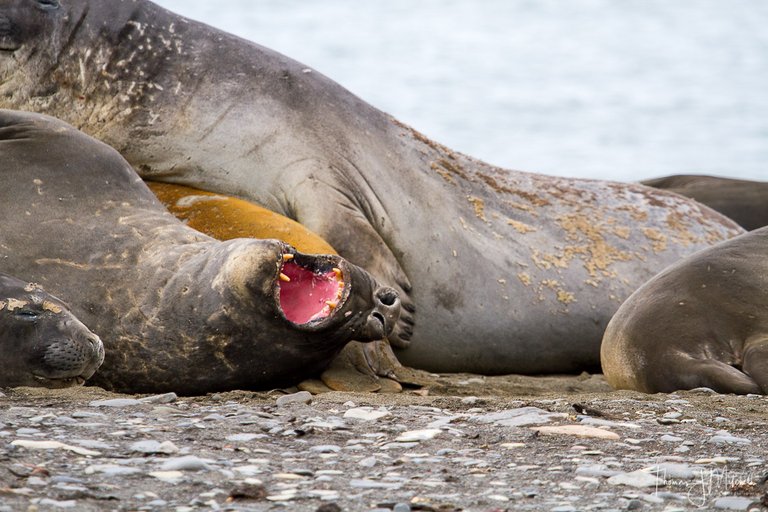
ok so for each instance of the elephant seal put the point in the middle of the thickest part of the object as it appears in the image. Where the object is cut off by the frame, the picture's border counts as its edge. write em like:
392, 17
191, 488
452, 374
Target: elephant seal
42, 343
498, 271
178, 311
226, 217
701, 322
744, 201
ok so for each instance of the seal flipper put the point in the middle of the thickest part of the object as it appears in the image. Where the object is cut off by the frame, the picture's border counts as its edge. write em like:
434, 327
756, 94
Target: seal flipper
710, 373
756, 362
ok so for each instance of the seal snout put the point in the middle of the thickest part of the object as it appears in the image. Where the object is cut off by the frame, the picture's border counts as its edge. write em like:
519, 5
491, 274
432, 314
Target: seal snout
384, 313
71, 357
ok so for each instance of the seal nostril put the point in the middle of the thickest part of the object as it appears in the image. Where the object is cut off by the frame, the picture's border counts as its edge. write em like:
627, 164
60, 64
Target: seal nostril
378, 316
387, 296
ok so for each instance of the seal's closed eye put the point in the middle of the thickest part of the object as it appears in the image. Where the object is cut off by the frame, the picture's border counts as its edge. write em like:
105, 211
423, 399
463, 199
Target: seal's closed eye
48, 5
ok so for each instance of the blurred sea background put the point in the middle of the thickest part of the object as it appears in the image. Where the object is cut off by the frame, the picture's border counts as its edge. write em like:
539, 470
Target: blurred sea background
609, 89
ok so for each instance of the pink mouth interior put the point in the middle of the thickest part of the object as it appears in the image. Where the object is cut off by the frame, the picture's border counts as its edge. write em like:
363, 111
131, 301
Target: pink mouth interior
308, 295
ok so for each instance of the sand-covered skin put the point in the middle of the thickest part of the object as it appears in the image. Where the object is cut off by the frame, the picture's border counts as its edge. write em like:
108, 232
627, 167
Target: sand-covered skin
464, 442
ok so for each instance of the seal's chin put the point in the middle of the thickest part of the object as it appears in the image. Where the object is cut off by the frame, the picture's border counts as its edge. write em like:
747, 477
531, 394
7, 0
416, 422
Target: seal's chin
308, 294
65, 382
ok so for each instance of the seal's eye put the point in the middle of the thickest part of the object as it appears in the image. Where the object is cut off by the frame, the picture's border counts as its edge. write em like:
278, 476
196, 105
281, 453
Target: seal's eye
48, 5
27, 315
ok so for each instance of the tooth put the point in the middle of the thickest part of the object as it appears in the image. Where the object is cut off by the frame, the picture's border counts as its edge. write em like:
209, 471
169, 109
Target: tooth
331, 304
287, 257
285, 278
337, 271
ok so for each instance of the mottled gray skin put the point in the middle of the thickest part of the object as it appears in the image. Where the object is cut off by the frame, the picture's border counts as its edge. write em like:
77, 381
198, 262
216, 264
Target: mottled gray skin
743, 201
499, 271
42, 343
701, 322
177, 310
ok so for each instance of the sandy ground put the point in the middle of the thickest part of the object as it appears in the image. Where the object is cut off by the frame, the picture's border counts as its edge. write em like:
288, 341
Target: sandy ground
461, 442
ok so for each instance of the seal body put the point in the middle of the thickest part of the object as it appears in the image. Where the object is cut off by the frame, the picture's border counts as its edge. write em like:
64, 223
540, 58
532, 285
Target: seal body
42, 343
178, 310
701, 322
744, 201
498, 271
225, 218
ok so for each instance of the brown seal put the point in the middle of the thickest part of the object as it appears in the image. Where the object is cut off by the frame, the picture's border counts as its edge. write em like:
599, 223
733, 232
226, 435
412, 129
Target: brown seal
702, 322
499, 271
744, 201
177, 310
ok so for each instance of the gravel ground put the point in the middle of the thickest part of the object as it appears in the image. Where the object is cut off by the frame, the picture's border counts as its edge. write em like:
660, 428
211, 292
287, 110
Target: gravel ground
461, 443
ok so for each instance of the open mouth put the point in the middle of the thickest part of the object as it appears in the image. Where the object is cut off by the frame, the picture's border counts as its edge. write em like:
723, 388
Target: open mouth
310, 288
64, 382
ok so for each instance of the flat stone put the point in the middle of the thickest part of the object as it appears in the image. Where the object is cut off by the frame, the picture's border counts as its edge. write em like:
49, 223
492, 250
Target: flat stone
636, 479
116, 402
365, 413
152, 446
520, 417
734, 503
165, 398
302, 397
52, 445
577, 431
186, 463
373, 484
674, 470
417, 435
171, 477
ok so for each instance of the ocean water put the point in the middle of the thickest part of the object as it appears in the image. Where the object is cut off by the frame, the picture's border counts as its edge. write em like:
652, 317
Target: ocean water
609, 89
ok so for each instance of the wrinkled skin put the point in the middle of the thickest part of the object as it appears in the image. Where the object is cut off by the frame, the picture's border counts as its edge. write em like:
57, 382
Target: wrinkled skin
177, 310
703, 322
743, 201
498, 271
42, 343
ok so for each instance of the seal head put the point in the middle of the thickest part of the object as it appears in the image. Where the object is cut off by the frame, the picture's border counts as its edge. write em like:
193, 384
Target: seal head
42, 342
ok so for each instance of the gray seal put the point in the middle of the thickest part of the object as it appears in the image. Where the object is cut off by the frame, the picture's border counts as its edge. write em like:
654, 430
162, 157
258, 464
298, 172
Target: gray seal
498, 271
42, 343
177, 310
744, 201
702, 322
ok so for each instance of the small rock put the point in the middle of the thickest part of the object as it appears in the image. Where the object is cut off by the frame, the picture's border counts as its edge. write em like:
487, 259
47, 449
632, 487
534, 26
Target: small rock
52, 445
116, 402
151, 446
636, 479
519, 417
171, 477
245, 437
417, 435
165, 398
365, 413
186, 463
302, 397
724, 437
733, 503
248, 491
368, 462
326, 448
576, 430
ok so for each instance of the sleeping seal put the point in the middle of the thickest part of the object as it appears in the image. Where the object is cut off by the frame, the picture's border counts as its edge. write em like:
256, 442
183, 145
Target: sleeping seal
177, 310
41, 341
498, 271
701, 322
744, 201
